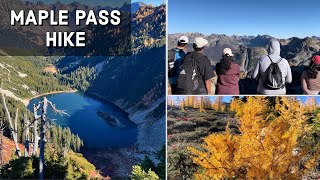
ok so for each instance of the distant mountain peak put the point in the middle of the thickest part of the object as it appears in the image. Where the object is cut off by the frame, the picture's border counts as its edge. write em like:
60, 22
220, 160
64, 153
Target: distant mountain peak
58, 3
136, 5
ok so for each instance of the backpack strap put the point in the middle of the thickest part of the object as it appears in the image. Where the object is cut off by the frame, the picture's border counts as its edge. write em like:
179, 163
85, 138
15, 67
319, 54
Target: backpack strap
272, 61
270, 58
172, 54
279, 60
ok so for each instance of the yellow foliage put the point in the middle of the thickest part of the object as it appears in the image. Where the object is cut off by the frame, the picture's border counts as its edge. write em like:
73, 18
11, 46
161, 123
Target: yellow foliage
223, 108
311, 104
182, 106
217, 104
202, 105
191, 101
196, 102
264, 150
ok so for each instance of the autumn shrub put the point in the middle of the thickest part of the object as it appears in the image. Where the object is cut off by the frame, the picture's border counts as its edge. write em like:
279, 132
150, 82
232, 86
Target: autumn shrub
264, 149
202, 122
170, 121
180, 165
182, 126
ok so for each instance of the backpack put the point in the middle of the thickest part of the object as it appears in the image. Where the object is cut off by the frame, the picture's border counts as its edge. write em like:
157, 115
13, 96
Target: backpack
171, 63
273, 76
188, 82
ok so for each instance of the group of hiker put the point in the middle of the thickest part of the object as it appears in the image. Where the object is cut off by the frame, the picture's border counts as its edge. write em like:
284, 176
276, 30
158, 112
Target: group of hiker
192, 73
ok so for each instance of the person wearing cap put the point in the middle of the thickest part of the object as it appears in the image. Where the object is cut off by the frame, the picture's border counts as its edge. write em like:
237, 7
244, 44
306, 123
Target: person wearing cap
175, 57
310, 79
228, 74
201, 75
260, 71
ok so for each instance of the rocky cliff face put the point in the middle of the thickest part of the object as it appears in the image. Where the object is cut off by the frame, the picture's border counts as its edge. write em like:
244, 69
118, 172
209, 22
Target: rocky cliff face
293, 49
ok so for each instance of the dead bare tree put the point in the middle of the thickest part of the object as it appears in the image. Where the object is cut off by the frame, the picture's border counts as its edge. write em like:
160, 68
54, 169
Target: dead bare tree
45, 122
13, 128
26, 135
2, 126
35, 129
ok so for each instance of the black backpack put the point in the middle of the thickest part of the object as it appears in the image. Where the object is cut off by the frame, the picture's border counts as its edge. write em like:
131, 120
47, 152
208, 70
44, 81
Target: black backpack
273, 76
171, 63
188, 81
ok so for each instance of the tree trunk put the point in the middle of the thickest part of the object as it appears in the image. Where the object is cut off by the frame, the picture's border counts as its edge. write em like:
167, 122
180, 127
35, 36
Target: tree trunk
13, 131
42, 136
41, 156
1, 147
35, 131
26, 144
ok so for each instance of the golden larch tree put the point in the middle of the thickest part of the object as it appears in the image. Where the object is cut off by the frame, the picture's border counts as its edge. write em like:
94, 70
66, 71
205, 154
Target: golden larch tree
196, 102
265, 149
311, 104
186, 102
217, 104
182, 106
202, 105
191, 101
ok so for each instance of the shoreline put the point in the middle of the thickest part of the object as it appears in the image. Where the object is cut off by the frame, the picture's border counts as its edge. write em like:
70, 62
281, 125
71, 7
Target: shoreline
49, 93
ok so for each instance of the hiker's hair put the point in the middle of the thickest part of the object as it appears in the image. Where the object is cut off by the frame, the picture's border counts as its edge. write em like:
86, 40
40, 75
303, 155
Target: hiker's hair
225, 65
196, 48
313, 70
182, 44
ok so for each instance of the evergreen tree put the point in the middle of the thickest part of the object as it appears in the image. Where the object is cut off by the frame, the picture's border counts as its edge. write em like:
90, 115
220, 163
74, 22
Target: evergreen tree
147, 164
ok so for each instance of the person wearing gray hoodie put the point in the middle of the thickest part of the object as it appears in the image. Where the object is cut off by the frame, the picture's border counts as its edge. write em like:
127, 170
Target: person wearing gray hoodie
264, 62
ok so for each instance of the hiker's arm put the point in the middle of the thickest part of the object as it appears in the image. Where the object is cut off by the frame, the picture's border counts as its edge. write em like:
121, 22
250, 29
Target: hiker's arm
256, 70
238, 72
208, 86
289, 74
207, 74
304, 85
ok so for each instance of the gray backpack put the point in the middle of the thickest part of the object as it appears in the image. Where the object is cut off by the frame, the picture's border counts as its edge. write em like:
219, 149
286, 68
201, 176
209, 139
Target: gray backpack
273, 76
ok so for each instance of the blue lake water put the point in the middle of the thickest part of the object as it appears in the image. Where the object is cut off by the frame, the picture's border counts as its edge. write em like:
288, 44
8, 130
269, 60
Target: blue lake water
84, 120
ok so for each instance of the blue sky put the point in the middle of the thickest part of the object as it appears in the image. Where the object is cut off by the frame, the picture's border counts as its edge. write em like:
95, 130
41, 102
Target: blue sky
279, 18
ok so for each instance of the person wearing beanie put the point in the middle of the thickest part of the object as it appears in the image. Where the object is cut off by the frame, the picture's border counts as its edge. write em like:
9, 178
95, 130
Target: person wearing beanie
310, 79
175, 57
195, 71
228, 74
262, 71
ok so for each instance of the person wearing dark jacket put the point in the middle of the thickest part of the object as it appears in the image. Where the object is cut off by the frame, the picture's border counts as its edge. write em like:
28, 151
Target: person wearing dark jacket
175, 57
228, 74
195, 71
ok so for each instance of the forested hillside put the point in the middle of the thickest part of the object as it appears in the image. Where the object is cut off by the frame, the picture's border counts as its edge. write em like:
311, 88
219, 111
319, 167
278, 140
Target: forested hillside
25, 77
134, 83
